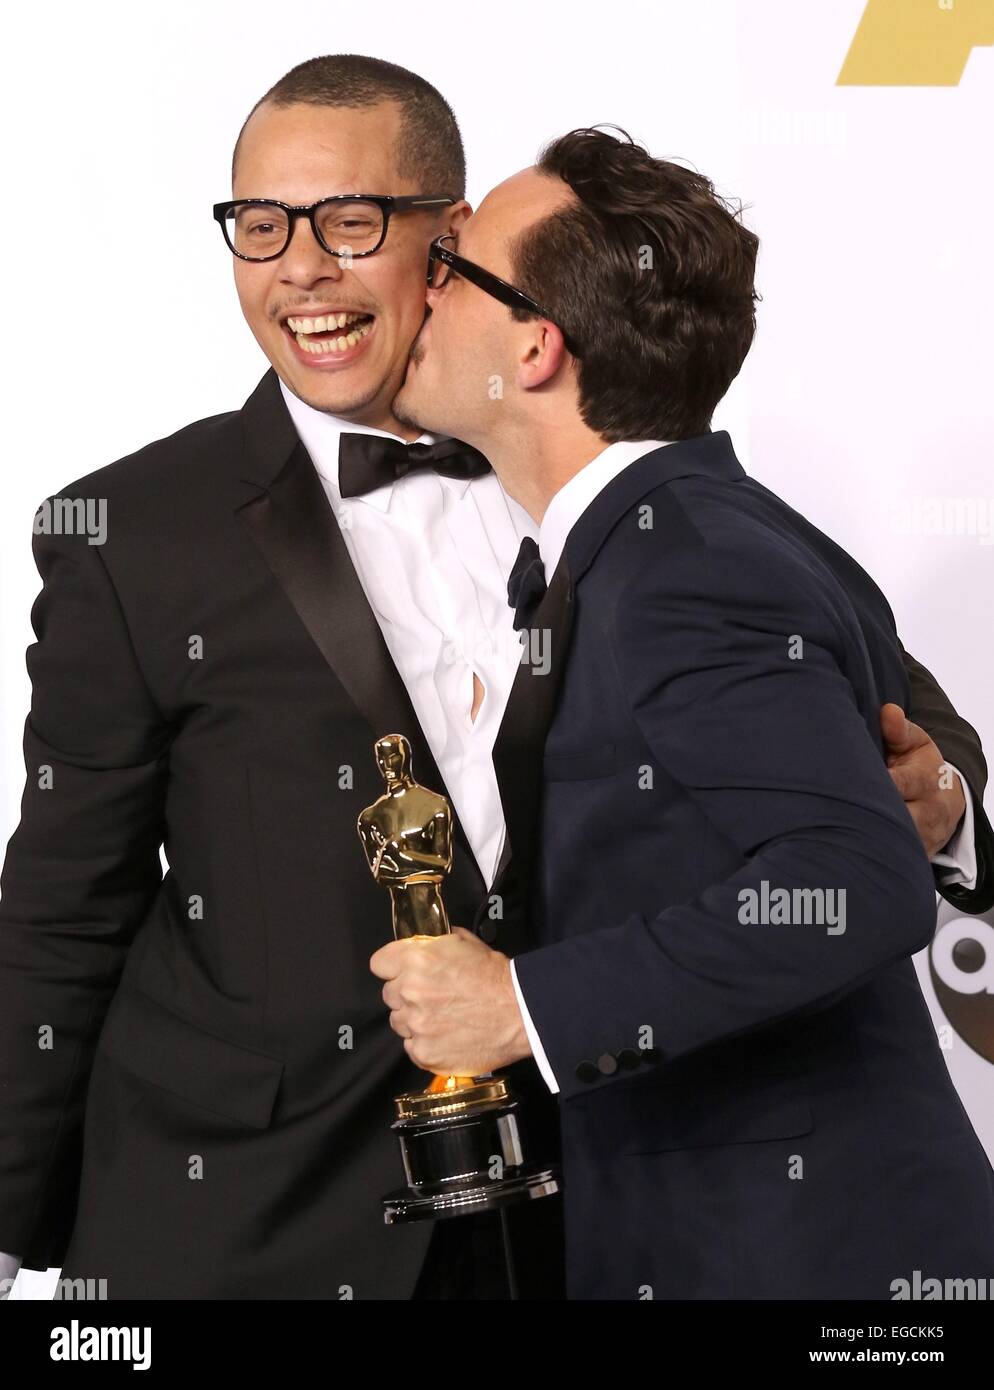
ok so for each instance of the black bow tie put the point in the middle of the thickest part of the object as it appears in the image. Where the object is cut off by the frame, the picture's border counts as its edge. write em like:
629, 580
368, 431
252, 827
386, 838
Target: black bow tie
526, 586
367, 461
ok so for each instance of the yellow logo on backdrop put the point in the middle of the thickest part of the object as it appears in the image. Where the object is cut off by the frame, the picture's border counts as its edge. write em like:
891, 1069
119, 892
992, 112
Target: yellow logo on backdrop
916, 43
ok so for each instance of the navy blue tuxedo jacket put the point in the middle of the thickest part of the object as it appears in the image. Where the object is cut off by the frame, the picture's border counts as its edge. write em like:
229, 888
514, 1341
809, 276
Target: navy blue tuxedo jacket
749, 1109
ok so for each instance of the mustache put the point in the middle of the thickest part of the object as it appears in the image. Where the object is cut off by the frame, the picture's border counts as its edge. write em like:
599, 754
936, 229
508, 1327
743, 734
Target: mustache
304, 307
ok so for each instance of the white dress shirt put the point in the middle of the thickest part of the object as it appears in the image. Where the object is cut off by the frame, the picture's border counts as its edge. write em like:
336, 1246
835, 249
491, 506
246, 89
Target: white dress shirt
433, 556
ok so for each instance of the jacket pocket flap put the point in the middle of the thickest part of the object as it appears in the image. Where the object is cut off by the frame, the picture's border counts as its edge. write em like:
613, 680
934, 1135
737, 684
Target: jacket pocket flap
688, 1129
150, 1040
651, 1118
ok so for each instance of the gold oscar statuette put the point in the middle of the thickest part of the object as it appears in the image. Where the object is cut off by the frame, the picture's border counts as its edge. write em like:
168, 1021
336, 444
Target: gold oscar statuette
460, 1138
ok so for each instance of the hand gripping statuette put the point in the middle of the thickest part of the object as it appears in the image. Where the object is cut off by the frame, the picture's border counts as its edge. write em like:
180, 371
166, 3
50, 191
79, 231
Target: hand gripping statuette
460, 1139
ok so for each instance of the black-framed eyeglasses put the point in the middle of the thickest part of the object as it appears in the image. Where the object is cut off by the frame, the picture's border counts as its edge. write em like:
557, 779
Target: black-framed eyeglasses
442, 259
346, 224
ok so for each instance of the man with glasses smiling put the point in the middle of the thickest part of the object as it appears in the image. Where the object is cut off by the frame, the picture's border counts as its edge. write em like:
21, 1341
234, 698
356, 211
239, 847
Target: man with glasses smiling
280, 586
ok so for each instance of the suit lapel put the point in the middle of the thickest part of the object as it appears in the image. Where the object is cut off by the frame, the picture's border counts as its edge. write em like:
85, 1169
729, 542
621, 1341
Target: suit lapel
288, 516
532, 704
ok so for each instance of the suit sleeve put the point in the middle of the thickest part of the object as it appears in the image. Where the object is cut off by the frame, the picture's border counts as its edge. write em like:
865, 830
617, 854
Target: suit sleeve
775, 752
81, 870
9, 1265
959, 743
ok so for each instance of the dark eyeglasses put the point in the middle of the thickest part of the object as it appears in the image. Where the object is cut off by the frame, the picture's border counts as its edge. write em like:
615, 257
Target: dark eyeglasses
442, 259
347, 225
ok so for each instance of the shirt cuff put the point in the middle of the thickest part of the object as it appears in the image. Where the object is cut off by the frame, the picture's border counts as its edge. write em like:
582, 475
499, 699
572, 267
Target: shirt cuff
9, 1265
958, 858
538, 1051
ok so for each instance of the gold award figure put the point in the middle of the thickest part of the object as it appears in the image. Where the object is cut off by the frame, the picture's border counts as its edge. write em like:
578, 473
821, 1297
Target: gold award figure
460, 1139
407, 836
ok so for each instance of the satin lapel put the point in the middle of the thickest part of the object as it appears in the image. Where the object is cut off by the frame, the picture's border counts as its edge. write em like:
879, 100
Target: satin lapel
527, 717
294, 527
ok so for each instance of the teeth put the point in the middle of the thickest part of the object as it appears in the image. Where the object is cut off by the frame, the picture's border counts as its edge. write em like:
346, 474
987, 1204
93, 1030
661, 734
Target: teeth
324, 345
322, 325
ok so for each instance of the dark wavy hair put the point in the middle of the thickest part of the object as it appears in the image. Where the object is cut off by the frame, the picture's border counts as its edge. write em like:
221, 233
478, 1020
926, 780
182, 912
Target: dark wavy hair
652, 273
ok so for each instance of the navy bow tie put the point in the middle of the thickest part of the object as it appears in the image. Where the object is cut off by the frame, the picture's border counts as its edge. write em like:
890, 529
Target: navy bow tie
367, 461
526, 586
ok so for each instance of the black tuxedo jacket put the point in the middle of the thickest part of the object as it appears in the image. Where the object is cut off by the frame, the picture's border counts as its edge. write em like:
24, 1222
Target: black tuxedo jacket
753, 1106
196, 1070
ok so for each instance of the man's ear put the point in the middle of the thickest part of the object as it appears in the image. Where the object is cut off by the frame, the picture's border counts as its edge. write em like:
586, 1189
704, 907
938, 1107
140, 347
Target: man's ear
456, 215
543, 355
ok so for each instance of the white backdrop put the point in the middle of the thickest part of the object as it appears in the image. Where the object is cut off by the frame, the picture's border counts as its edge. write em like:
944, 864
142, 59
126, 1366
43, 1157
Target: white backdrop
866, 401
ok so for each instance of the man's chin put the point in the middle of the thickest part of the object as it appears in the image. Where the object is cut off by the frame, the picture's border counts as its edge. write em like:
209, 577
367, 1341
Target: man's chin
408, 409
335, 396
420, 406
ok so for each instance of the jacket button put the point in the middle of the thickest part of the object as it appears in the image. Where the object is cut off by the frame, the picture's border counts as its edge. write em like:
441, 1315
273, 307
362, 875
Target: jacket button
586, 1071
652, 1055
629, 1058
607, 1063
487, 931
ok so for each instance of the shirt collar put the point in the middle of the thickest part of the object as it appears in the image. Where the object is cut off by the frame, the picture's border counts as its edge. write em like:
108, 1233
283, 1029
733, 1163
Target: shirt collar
576, 495
320, 433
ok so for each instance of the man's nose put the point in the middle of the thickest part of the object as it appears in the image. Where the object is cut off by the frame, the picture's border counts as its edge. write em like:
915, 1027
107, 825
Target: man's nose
305, 259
